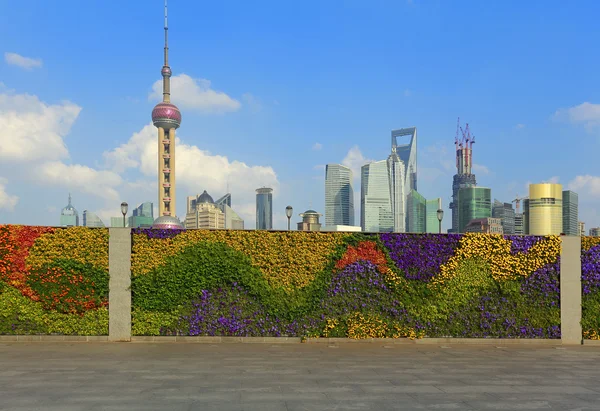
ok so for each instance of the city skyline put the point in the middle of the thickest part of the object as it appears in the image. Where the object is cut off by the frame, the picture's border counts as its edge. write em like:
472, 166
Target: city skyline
232, 124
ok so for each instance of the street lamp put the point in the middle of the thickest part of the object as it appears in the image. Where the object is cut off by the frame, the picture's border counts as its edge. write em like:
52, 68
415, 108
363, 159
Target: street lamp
124, 207
288, 212
440, 216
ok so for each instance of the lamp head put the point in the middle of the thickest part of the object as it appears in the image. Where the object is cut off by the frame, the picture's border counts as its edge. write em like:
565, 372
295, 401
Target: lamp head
124, 207
289, 211
440, 214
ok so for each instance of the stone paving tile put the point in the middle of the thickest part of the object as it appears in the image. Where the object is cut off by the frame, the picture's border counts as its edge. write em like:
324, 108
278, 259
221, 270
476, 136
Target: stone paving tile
102, 376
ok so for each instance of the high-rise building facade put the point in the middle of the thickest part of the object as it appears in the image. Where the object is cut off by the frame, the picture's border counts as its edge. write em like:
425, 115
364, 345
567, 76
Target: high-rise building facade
232, 220
417, 212
375, 202
69, 217
402, 174
339, 195
545, 209
464, 177
526, 216
91, 220
581, 228
474, 202
570, 213
166, 117
264, 208
203, 213
142, 216
595, 232
519, 224
506, 214
432, 224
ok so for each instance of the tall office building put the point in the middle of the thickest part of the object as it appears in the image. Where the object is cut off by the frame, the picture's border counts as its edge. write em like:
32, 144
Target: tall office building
117, 222
91, 220
474, 202
545, 209
232, 220
264, 208
225, 200
376, 209
166, 117
432, 224
519, 224
417, 212
142, 216
69, 217
526, 216
463, 177
595, 232
581, 228
402, 174
203, 213
506, 214
570, 213
339, 195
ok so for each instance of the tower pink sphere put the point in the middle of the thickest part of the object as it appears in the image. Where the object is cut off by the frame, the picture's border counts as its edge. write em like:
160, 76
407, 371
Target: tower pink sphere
166, 116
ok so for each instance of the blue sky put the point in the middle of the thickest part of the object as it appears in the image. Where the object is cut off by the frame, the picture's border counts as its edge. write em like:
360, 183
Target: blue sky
271, 91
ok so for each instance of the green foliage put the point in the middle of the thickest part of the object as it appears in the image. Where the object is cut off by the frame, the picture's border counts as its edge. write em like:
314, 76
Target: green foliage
69, 286
152, 322
590, 314
20, 315
201, 266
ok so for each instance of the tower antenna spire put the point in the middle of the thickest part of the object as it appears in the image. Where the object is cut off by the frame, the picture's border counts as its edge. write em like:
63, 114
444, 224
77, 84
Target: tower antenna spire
166, 70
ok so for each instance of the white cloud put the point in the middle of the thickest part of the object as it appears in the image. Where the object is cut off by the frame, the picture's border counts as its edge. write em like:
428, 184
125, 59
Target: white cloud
586, 185
480, 169
7, 201
319, 167
355, 160
252, 102
520, 126
586, 113
32, 129
552, 180
82, 178
196, 94
24, 62
317, 146
197, 170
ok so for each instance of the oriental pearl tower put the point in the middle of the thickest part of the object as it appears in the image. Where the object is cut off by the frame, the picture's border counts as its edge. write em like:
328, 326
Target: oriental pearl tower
166, 118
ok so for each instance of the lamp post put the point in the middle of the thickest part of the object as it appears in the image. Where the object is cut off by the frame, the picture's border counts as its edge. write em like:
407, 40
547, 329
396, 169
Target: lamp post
440, 216
124, 207
288, 212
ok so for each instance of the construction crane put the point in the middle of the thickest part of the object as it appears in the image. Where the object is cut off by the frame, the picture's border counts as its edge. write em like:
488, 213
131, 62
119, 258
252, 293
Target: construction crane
517, 201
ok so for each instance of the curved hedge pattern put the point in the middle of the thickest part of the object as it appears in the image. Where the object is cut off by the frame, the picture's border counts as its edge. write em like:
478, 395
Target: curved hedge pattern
53, 280
258, 283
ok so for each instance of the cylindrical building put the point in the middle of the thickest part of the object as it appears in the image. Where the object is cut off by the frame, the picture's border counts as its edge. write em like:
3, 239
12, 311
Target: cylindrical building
264, 208
545, 209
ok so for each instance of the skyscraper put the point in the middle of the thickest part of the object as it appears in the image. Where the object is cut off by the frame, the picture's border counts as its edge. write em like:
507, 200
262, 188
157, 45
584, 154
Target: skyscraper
375, 201
402, 170
463, 177
232, 220
339, 195
166, 118
432, 224
595, 232
142, 215
202, 212
474, 203
545, 209
69, 217
570, 213
506, 214
264, 208
91, 220
416, 206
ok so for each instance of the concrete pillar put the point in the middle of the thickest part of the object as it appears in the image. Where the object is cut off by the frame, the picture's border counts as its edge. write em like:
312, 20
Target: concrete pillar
119, 294
570, 290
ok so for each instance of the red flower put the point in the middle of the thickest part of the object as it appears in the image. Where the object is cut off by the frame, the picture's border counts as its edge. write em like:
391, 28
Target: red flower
365, 251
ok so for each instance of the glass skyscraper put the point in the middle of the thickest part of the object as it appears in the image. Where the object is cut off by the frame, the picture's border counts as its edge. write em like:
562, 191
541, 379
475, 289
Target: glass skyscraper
264, 208
69, 217
142, 216
376, 208
416, 212
570, 213
506, 214
339, 195
473, 202
432, 224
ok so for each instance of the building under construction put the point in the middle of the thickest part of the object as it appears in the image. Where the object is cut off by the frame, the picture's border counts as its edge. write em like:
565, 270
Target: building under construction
464, 162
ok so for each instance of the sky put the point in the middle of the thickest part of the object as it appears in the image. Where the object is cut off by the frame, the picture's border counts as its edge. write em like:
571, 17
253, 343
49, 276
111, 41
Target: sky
272, 91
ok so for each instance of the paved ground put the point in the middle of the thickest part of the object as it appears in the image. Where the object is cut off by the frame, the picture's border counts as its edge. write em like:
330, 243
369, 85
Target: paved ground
139, 376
